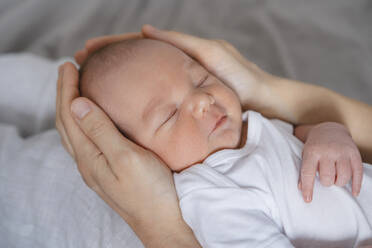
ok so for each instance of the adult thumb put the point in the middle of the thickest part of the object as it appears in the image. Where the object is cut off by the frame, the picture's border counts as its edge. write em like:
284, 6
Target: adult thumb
98, 127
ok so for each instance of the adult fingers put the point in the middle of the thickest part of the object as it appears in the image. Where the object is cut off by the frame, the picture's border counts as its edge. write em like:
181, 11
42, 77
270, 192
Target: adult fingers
81, 55
99, 42
218, 56
194, 46
307, 176
343, 172
86, 153
62, 132
237, 55
102, 132
327, 172
100, 191
357, 168
94, 44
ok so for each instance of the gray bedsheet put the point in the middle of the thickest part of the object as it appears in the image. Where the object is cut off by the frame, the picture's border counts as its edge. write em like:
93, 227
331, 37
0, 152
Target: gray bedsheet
325, 42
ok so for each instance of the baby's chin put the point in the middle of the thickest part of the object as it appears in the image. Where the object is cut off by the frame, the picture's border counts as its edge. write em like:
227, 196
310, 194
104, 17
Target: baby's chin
182, 165
234, 139
178, 167
229, 141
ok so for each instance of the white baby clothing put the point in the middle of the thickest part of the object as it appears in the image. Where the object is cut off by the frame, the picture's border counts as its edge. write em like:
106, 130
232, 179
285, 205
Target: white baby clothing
248, 197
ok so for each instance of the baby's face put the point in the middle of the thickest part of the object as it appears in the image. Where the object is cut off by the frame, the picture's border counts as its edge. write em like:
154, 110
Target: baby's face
168, 103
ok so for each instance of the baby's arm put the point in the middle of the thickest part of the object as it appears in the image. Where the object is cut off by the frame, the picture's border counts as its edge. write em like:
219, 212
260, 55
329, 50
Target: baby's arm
330, 149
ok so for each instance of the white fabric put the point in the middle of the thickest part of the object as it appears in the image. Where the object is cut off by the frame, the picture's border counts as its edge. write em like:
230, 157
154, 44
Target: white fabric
248, 197
43, 199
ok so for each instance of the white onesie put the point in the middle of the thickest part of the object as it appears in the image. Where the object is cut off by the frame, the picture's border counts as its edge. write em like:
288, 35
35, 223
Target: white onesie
248, 197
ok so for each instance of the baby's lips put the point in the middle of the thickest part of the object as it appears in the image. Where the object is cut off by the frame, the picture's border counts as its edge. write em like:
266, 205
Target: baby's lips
219, 121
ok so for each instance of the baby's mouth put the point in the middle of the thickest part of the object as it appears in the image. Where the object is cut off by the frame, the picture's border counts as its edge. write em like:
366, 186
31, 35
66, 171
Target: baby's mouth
220, 122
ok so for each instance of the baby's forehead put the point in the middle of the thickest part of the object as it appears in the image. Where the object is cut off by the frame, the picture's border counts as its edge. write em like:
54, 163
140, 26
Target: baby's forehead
157, 65
157, 62
166, 53
158, 76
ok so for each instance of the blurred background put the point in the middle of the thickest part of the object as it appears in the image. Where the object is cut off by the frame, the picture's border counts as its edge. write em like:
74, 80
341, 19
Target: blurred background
324, 42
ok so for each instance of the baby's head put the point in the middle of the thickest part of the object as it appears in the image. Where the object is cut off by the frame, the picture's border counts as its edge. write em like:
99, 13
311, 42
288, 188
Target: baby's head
163, 100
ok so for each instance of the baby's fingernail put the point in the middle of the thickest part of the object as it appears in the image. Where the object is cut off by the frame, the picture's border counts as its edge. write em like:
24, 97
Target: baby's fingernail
299, 185
307, 198
80, 108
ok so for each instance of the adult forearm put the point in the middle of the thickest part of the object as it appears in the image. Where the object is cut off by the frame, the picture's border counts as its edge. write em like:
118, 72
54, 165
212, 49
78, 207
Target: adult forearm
158, 232
301, 103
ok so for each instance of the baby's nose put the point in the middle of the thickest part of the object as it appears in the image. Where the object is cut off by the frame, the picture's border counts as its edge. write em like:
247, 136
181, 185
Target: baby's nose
202, 104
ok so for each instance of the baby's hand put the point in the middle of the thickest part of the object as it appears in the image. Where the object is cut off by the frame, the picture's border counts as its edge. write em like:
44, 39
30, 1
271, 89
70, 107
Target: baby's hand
329, 148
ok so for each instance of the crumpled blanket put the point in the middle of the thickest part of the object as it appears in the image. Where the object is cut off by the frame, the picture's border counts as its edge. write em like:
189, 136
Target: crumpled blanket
43, 199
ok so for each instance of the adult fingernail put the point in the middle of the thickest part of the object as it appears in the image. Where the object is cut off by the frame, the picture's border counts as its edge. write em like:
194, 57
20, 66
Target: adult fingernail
150, 28
299, 186
60, 69
308, 198
80, 108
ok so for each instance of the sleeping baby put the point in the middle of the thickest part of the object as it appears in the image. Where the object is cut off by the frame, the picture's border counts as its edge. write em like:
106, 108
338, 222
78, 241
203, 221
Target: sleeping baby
235, 173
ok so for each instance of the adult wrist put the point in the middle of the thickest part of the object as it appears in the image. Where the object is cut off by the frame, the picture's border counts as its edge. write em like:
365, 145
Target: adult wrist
263, 98
300, 103
164, 232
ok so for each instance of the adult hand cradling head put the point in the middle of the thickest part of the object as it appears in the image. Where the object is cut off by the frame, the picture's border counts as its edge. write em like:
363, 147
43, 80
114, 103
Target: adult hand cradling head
134, 181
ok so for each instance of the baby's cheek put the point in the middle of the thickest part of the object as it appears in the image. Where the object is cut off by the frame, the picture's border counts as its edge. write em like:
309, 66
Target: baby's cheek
184, 150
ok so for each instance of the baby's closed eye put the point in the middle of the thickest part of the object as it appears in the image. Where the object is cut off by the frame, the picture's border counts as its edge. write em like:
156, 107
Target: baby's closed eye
202, 81
170, 116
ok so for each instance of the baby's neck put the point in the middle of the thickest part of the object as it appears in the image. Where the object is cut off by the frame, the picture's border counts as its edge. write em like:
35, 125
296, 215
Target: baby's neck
243, 137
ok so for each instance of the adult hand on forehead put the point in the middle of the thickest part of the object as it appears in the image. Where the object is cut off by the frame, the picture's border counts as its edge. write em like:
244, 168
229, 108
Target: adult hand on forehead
95, 44
133, 181
218, 56
224, 61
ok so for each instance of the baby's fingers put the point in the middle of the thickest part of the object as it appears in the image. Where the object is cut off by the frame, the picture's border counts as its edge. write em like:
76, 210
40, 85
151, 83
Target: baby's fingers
357, 169
343, 172
307, 177
327, 171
